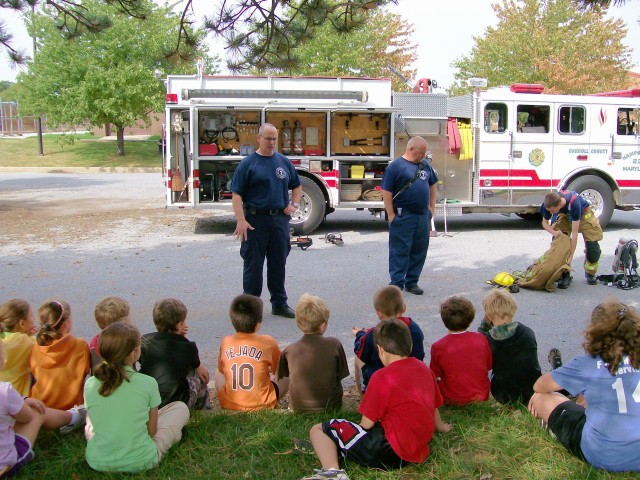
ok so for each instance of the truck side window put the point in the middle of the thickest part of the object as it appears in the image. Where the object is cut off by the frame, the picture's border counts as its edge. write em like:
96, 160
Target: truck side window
495, 118
533, 118
571, 119
627, 121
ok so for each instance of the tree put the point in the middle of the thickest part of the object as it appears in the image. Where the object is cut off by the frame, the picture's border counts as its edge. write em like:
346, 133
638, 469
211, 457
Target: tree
106, 76
286, 23
552, 42
384, 40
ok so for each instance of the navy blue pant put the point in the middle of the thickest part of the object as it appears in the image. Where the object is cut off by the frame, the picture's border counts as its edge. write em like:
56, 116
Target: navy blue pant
408, 245
270, 240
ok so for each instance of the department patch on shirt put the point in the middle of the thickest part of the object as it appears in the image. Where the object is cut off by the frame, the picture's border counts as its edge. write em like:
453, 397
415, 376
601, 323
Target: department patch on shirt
280, 173
423, 175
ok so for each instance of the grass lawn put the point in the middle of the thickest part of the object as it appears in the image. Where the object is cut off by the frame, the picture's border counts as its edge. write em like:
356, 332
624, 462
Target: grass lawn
86, 151
488, 442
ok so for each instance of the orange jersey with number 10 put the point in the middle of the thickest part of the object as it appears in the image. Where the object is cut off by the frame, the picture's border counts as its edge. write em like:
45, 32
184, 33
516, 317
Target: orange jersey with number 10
246, 360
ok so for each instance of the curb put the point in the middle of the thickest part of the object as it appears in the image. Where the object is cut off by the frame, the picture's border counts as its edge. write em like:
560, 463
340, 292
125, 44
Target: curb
82, 169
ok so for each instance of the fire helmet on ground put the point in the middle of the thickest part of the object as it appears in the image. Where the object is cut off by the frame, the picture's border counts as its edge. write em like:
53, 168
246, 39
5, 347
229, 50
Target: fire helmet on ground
504, 279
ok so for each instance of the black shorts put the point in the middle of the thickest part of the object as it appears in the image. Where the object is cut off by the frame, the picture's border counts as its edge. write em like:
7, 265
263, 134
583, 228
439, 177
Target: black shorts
368, 448
566, 421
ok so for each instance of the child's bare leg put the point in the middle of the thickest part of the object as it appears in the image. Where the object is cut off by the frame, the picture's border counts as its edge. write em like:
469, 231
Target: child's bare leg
542, 404
325, 448
30, 429
54, 419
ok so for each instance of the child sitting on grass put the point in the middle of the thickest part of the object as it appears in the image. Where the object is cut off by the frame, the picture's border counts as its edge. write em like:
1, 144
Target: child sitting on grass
315, 365
21, 419
108, 310
513, 348
16, 331
399, 413
247, 361
461, 360
126, 432
605, 434
173, 360
59, 361
388, 303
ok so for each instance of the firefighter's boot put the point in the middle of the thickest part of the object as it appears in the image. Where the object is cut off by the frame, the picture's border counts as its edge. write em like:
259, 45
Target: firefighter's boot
565, 280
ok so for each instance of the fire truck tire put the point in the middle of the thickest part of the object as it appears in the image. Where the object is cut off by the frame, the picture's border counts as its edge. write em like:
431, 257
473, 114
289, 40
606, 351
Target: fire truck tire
530, 217
312, 208
599, 193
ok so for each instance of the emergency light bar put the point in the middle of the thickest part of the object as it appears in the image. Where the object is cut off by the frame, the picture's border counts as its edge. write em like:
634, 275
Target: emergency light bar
527, 88
633, 92
359, 96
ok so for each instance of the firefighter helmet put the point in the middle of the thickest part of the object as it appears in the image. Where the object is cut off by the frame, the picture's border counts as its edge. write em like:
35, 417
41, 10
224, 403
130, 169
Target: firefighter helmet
504, 279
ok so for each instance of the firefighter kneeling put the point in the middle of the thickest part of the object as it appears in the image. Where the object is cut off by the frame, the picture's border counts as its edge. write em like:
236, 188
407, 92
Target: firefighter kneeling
574, 215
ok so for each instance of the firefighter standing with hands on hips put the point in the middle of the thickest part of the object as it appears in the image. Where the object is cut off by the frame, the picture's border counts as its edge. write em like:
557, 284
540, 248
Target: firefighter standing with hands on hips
409, 195
574, 215
260, 197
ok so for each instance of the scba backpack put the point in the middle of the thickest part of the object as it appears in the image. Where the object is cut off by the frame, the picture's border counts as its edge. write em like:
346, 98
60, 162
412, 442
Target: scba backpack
625, 266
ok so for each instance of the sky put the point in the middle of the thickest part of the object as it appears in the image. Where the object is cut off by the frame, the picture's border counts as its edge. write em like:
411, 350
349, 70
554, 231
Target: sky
444, 33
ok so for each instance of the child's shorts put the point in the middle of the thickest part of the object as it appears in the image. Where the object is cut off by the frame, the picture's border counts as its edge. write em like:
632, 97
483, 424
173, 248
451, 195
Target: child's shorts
566, 421
25, 455
368, 448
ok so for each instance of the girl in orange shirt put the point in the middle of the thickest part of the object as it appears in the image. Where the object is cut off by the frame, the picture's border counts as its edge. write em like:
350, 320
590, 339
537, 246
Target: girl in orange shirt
59, 361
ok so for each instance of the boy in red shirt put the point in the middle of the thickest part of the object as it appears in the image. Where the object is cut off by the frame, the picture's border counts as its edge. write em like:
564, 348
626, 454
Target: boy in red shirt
461, 360
399, 413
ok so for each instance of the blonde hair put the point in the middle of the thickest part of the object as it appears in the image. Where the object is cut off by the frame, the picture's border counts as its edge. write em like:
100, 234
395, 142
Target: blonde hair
389, 301
12, 312
111, 310
116, 343
500, 302
311, 313
52, 316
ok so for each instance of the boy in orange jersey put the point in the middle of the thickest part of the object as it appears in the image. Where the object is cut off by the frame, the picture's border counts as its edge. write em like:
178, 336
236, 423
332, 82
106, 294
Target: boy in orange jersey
247, 361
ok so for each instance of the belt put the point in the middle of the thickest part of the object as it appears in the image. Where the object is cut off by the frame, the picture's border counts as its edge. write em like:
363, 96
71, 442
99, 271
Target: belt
263, 211
401, 210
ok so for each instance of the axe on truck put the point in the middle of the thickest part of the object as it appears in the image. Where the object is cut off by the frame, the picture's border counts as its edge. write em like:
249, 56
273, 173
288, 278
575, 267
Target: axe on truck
361, 142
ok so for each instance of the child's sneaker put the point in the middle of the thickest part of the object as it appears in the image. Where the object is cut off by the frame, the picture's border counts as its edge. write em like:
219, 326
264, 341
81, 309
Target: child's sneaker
324, 474
81, 418
555, 359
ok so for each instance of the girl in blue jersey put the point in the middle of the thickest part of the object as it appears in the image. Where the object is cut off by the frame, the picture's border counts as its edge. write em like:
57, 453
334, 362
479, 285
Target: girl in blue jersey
607, 433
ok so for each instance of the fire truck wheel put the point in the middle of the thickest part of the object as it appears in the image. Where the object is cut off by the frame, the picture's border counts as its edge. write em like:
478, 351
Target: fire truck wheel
312, 208
599, 193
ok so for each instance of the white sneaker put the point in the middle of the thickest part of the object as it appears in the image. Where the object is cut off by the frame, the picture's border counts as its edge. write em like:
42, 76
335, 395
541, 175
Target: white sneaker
80, 421
325, 474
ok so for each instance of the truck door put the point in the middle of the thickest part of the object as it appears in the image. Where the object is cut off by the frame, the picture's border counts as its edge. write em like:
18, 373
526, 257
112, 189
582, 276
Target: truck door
493, 152
573, 149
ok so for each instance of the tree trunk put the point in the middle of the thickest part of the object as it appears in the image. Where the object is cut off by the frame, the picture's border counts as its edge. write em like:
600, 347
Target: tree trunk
120, 135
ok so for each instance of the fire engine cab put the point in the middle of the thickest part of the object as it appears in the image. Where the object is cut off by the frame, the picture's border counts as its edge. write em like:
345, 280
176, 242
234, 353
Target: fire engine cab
496, 150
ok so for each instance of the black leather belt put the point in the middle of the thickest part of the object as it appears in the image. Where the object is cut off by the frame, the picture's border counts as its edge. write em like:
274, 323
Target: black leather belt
263, 211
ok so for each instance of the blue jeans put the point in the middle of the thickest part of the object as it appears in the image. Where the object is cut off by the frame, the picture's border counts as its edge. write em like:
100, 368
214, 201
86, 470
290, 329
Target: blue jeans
408, 245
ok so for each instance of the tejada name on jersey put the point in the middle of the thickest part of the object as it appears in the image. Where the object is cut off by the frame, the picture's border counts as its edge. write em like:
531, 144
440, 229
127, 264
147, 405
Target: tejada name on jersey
243, 351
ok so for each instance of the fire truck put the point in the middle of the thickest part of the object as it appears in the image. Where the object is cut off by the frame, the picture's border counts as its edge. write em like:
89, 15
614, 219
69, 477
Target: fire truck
495, 150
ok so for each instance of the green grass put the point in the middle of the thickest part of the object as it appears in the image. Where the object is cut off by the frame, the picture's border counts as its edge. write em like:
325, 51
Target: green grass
488, 441
86, 151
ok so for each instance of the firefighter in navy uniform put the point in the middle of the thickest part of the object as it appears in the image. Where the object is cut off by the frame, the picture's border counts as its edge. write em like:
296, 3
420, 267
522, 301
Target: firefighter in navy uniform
574, 215
260, 196
409, 195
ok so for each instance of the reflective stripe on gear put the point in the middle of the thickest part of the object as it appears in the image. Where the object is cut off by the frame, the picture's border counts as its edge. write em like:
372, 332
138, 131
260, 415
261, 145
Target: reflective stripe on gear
591, 268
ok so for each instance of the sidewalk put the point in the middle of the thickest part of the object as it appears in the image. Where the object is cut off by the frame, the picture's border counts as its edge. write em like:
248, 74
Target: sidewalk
81, 169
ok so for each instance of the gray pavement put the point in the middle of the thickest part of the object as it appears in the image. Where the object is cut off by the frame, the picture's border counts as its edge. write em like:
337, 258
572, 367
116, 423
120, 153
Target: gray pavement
81, 237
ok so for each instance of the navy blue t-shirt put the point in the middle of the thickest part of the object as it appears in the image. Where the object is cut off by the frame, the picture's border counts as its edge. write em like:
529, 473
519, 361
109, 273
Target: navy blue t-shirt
415, 198
264, 182
574, 210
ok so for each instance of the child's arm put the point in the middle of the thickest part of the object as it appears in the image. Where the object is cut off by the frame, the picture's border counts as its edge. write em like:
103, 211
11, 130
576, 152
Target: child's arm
152, 424
546, 384
442, 427
203, 373
366, 423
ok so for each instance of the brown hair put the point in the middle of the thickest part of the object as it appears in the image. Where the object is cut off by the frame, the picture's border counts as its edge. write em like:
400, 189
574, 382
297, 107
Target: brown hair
614, 332
500, 302
457, 313
552, 199
394, 337
52, 316
168, 313
111, 310
245, 313
311, 313
116, 343
389, 301
12, 312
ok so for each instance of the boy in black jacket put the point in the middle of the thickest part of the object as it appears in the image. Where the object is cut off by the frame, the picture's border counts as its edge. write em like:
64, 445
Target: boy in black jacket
514, 349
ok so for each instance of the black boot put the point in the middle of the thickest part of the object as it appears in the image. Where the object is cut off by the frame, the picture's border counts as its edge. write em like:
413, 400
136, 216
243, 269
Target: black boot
565, 280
